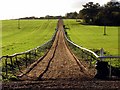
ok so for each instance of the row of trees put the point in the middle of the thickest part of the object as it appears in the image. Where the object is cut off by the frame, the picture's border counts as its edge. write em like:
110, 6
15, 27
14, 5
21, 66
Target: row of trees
46, 17
109, 14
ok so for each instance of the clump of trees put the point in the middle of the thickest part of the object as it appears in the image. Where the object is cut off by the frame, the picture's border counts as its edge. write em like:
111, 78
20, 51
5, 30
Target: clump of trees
89, 12
108, 14
72, 15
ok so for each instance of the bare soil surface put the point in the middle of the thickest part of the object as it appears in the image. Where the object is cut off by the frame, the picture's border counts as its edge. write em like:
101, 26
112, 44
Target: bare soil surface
62, 85
59, 69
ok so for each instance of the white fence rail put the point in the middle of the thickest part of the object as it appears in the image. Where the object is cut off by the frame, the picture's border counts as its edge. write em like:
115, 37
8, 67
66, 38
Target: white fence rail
87, 54
11, 64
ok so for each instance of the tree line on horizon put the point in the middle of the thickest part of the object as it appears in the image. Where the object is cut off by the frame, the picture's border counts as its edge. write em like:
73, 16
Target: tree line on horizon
46, 17
93, 14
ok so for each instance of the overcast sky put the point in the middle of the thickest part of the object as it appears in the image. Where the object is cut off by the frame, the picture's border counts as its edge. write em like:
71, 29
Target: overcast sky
22, 8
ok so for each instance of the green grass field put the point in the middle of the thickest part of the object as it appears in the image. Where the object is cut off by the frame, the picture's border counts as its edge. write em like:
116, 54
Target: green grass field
36, 32
33, 33
91, 37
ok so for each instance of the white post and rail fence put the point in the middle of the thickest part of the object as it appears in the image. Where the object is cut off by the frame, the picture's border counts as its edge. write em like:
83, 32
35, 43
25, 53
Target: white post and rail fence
12, 63
87, 54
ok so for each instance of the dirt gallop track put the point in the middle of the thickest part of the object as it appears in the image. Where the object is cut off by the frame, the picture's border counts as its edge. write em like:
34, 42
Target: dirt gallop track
59, 63
59, 70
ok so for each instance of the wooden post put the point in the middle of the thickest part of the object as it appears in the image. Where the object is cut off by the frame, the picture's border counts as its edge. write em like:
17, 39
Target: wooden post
26, 59
30, 57
35, 53
82, 54
18, 23
17, 62
110, 70
119, 41
87, 57
26, 56
104, 30
11, 63
101, 53
6, 69
91, 61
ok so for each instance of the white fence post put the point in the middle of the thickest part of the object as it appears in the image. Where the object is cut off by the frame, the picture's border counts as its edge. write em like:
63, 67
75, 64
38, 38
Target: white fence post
101, 53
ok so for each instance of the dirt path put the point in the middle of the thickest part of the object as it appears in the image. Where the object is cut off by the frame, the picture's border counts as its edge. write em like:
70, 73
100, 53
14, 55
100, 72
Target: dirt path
59, 63
59, 70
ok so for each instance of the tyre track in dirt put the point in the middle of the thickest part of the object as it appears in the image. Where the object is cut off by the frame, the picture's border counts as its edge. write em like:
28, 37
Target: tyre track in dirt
59, 63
